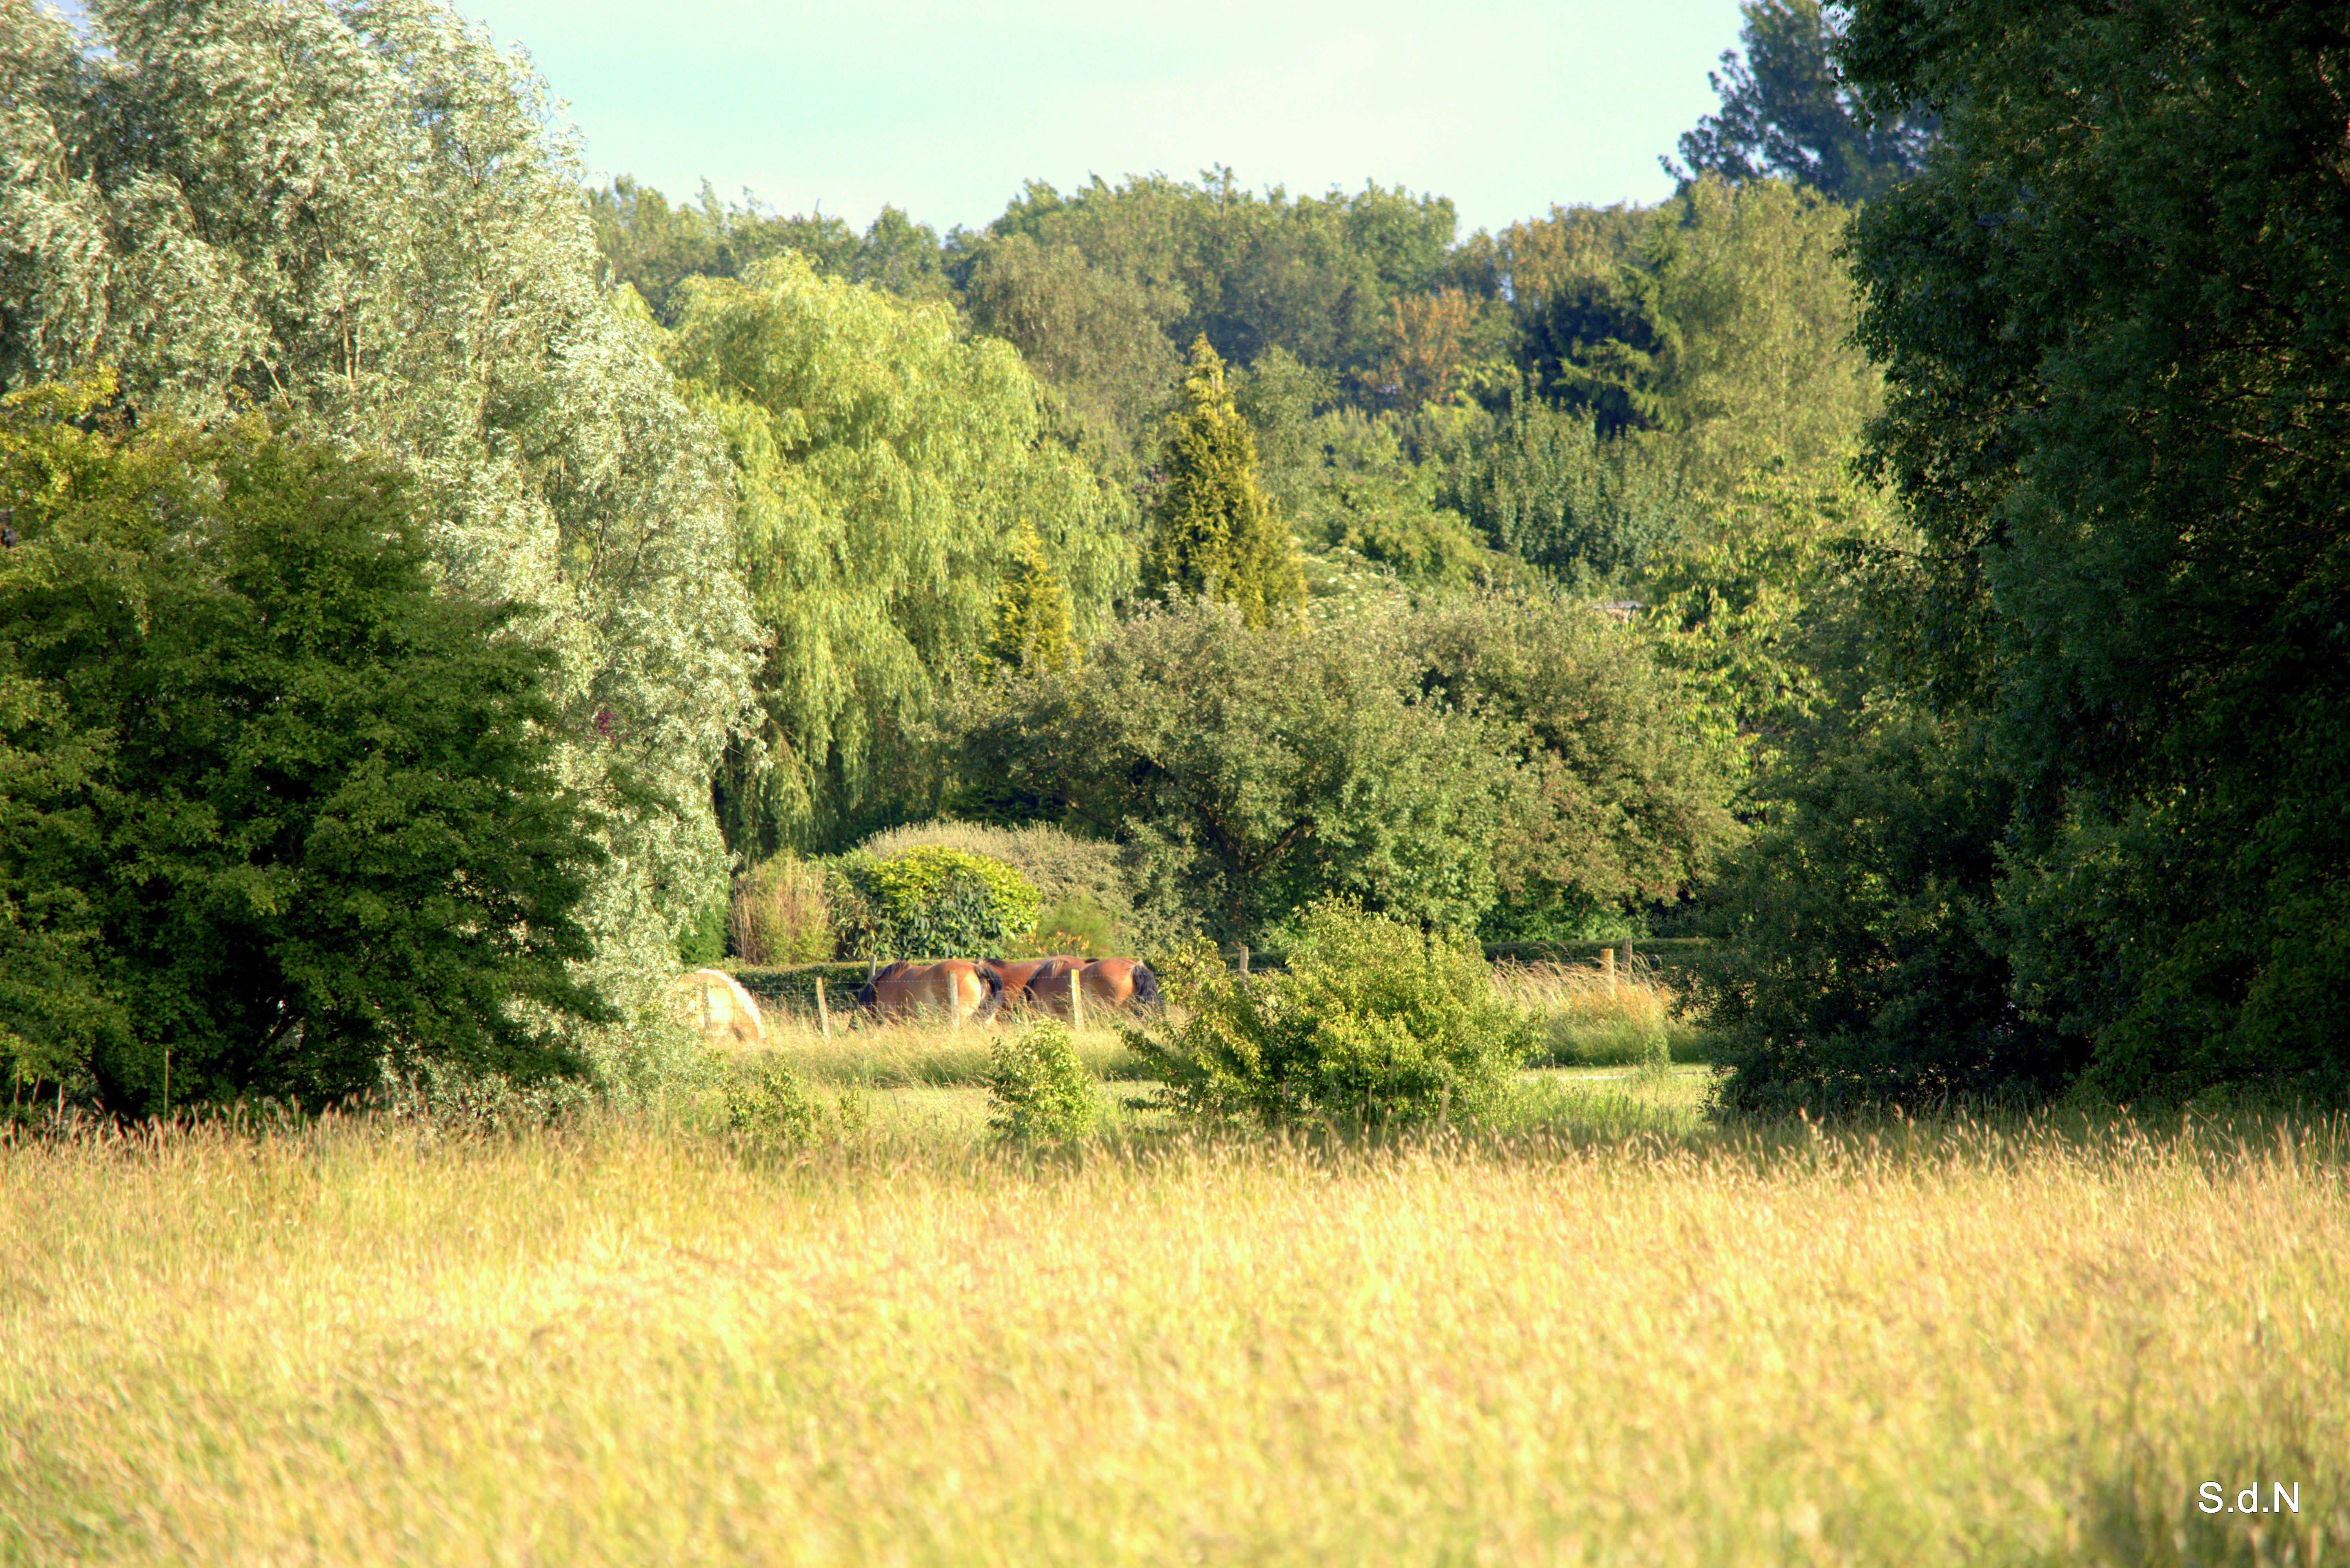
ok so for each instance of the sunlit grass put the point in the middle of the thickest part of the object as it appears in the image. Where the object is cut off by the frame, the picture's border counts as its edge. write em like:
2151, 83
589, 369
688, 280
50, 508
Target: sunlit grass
860, 1051
620, 1341
1594, 1016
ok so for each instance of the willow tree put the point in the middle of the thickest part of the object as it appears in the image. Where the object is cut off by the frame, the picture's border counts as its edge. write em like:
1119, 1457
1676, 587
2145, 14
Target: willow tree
1216, 535
364, 215
887, 463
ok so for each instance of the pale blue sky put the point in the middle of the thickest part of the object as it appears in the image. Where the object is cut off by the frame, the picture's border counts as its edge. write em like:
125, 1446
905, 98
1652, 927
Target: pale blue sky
1505, 106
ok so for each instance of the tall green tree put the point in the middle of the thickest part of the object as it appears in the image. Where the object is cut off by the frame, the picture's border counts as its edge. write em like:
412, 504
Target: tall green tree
2114, 316
1093, 337
888, 464
1788, 112
1251, 770
362, 213
1214, 535
274, 815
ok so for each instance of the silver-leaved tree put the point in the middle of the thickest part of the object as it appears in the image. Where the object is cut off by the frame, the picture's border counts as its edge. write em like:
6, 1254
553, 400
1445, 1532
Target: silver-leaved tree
368, 215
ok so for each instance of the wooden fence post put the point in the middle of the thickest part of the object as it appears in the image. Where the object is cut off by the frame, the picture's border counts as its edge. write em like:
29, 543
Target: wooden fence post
823, 1013
1077, 998
1607, 965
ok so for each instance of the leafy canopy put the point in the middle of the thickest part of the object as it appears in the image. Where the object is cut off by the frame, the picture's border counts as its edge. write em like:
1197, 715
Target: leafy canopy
268, 803
365, 213
2114, 316
888, 465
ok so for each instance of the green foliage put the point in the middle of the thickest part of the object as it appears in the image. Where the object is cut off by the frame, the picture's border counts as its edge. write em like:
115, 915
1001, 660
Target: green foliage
1038, 1090
363, 214
1081, 883
1214, 537
1030, 629
653, 249
1718, 328
703, 943
1252, 770
1617, 794
1865, 964
1093, 337
779, 915
1789, 113
765, 1107
930, 901
1552, 490
271, 805
1779, 609
1314, 275
887, 465
1407, 759
2114, 365
1373, 1022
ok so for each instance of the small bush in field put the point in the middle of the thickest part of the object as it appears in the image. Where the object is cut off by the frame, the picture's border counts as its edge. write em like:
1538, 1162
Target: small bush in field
779, 914
765, 1106
1374, 1021
1041, 1092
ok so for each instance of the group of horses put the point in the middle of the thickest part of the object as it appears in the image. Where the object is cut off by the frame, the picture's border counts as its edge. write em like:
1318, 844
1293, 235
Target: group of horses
955, 991
958, 991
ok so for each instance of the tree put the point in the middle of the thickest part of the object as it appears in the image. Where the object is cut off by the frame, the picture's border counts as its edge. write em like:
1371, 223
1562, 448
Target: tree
1722, 325
1215, 537
2115, 313
1550, 489
1618, 797
359, 213
1788, 111
1252, 770
1030, 629
277, 816
887, 464
1093, 337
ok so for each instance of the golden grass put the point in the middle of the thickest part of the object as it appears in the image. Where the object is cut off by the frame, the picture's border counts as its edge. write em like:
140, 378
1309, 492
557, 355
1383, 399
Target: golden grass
621, 1343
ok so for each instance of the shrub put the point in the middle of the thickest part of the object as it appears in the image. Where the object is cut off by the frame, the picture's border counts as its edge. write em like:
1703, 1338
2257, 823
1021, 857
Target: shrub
1081, 883
766, 1106
779, 915
1041, 1092
929, 901
1373, 1022
1860, 966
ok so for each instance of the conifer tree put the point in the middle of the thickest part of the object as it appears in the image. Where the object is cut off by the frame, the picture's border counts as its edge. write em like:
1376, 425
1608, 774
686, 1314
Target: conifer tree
1217, 537
1030, 629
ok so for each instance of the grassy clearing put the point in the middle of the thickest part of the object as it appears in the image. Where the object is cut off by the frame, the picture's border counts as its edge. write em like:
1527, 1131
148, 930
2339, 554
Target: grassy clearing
621, 1342
1594, 1017
894, 1055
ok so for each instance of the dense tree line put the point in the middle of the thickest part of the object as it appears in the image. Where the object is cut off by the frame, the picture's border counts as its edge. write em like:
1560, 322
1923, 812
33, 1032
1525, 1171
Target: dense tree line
1909, 549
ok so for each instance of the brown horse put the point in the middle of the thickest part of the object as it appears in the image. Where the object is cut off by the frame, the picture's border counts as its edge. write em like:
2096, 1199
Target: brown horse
1015, 973
955, 990
1111, 985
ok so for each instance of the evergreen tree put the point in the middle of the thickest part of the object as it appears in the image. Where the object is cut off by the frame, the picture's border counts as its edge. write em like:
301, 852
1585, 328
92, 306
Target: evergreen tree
1032, 611
1789, 112
1217, 537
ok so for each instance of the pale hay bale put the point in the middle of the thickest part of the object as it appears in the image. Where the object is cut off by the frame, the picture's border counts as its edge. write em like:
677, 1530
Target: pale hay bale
714, 1002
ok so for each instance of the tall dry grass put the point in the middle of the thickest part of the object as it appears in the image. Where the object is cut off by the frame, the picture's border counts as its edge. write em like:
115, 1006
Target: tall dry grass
614, 1344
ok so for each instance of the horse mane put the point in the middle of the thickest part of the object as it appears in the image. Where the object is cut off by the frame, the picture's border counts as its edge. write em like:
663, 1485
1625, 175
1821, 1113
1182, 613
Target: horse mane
1146, 986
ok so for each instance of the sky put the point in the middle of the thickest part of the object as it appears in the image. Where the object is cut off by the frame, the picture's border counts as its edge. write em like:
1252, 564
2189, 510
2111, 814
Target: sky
1505, 106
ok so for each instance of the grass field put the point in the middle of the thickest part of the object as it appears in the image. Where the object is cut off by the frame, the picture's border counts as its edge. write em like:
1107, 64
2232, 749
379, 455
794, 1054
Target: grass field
625, 1340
